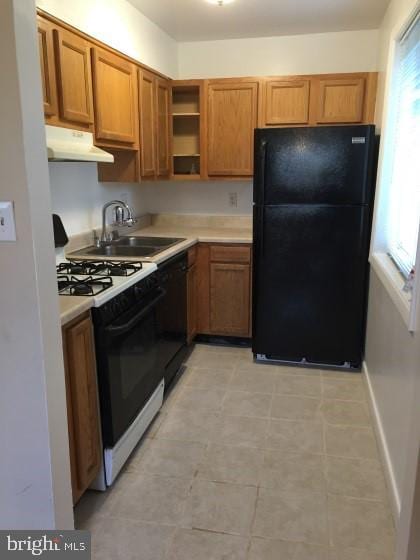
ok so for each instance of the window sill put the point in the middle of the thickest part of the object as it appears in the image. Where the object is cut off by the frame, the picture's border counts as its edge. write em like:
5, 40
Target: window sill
393, 283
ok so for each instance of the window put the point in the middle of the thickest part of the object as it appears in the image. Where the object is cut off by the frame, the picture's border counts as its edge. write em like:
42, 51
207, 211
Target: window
404, 205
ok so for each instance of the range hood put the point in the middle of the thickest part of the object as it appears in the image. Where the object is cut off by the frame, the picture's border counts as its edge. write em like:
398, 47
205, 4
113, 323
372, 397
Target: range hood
65, 144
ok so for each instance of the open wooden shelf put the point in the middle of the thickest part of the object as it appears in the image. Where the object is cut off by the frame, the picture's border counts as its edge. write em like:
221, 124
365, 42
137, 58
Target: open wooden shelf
186, 129
185, 114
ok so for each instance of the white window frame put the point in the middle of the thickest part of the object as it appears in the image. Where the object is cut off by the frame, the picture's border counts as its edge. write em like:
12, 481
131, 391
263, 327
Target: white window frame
407, 303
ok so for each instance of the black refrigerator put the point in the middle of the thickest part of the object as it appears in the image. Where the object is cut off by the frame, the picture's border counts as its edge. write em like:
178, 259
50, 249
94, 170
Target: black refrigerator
313, 199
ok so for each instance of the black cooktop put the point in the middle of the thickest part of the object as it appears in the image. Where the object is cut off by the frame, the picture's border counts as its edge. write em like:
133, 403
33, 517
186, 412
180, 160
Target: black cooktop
99, 268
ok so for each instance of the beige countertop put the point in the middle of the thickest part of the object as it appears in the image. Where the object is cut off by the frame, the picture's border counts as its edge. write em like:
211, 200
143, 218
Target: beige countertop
73, 306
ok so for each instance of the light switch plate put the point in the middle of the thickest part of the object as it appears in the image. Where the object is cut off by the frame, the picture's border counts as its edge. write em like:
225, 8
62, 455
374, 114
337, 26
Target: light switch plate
7, 222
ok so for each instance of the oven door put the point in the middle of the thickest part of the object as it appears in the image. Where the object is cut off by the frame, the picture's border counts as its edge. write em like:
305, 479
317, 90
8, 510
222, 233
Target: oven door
129, 369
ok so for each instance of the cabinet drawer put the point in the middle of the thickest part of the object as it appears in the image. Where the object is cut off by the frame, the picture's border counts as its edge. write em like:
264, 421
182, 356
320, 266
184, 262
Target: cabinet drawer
192, 256
231, 254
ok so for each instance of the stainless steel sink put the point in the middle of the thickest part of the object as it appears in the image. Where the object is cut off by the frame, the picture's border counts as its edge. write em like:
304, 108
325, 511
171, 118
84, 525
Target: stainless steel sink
140, 241
145, 247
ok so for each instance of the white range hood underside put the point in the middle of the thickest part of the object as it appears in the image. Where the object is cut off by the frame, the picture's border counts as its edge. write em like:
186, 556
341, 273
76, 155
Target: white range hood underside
64, 144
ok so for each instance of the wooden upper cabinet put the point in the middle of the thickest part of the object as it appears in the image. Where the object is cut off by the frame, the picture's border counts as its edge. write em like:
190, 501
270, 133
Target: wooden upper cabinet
147, 106
286, 102
46, 55
163, 127
232, 117
341, 100
115, 95
74, 77
82, 404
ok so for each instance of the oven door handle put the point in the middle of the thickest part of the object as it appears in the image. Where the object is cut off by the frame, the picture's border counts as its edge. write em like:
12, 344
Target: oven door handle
138, 317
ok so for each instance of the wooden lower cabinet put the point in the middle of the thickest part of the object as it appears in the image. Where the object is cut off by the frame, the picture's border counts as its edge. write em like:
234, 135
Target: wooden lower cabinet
224, 289
229, 299
82, 403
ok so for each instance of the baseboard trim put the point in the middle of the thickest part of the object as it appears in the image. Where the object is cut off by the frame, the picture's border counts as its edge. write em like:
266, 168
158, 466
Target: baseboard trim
383, 448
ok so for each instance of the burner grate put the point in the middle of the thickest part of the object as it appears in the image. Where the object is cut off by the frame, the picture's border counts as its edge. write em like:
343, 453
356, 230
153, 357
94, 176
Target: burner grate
99, 268
82, 286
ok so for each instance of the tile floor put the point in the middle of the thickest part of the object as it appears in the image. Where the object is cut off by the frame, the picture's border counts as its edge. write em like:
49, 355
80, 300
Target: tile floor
249, 462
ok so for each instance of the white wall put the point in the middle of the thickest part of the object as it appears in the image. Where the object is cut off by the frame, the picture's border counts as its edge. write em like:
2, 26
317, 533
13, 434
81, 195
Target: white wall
347, 51
118, 24
35, 488
196, 197
392, 353
78, 197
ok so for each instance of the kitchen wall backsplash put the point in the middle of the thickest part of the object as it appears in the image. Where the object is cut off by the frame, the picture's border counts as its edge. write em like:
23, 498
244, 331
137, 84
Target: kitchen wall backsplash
190, 197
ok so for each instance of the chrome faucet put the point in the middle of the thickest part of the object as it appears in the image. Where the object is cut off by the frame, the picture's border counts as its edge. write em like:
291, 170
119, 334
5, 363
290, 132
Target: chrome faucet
121, 208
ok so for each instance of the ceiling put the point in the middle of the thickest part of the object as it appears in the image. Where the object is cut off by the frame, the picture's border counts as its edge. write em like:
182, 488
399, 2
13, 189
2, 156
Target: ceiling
198, 20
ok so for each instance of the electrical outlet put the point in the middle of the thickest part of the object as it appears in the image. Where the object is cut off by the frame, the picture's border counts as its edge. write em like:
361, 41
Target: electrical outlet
233, 199
7, 222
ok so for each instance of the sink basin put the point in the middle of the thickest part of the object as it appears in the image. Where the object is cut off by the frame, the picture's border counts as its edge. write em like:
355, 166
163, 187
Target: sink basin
136, 241
118, 251
130, 247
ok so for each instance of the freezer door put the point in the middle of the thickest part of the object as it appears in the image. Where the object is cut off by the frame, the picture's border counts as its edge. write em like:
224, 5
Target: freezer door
318, 165
310, 281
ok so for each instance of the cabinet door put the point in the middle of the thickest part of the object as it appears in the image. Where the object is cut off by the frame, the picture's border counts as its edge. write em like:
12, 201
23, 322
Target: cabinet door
230, 299
341, 100
191, 303
147, 123
46, 55
286, 102
74, 78
162, 127
115, 91
232, 117
82, 405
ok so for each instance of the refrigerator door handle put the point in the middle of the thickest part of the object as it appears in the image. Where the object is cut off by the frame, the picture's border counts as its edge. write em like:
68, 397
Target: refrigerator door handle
262, 160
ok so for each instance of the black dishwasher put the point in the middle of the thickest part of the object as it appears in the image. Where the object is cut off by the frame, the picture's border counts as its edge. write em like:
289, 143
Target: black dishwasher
172, 315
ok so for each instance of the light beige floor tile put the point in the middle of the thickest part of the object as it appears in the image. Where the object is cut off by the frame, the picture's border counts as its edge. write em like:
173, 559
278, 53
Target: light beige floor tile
346, 413
248, 380
302, 385
270, 549
296, 436
156, 424
358, 478
153, 499
202, 545
241, 403
220, 507
168, 458
291, 516
201, 399
360, 524
341, 374
343, 389
354, 554
90, 506
213, 378
241, 431
188, 425
247, 363
295, 408
239, 465
201, 349
212, 360
293, 472
350, 441
122, 539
